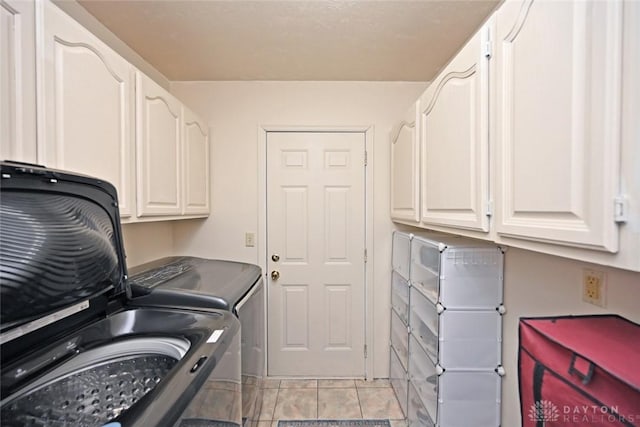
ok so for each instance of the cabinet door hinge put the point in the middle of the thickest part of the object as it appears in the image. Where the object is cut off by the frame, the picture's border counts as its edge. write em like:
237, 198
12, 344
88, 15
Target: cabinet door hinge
621, 209
487, 46
487, 50
366, 158
488, 208
365, 351
365, 256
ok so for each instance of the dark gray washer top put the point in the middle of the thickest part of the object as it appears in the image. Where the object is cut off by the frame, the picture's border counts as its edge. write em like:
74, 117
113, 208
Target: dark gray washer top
193, 282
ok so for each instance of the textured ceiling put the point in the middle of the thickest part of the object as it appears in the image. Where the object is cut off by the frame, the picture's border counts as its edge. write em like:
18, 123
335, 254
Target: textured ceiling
294, 40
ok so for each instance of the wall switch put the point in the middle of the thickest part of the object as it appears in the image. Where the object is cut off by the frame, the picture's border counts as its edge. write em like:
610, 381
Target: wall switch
249, 239
594, 287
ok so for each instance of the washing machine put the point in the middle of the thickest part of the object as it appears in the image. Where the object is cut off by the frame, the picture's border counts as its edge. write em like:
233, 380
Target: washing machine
199, 283
76, 350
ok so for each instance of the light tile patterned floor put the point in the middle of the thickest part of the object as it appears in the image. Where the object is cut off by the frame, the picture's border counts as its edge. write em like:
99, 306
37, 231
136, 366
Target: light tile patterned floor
328, 399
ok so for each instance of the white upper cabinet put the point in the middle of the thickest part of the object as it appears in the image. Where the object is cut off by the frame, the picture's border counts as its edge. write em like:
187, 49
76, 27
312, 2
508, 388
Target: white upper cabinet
195, 164
558, 107
454, 131
85, 106
17, 81
158, 136
405, 168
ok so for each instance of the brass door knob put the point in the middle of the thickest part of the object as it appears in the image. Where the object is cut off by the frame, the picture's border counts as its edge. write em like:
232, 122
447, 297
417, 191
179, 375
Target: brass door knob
275, 275
275, 257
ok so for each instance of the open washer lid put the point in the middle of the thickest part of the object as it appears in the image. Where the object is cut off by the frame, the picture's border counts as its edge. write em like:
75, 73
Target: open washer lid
60, 245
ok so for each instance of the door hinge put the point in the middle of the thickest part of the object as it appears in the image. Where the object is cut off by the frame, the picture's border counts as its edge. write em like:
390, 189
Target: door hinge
366, 158
365, 351
488, 208
365, 256
621, 209
488, 50
487, 46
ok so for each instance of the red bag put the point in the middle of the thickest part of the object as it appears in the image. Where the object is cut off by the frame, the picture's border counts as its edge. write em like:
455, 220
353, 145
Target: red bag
579, 371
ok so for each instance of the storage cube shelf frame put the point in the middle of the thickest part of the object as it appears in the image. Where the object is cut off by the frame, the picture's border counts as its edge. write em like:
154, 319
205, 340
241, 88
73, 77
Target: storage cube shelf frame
453, 329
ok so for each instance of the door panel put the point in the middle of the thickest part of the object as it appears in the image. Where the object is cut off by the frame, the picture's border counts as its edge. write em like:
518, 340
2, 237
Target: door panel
454, 146
295, 224
195, 167
158, 133
295, 320
405, 168
315, 223
558, 75
17, 81
86, 106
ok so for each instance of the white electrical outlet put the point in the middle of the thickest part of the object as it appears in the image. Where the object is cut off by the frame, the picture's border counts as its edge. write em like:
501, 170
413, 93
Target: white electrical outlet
594, 287
249, 240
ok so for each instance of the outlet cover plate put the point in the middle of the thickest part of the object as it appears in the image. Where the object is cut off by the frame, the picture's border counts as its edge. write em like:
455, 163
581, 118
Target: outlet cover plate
594, 287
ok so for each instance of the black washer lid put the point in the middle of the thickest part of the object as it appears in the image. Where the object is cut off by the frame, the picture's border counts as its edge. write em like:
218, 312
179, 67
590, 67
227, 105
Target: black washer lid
60, 242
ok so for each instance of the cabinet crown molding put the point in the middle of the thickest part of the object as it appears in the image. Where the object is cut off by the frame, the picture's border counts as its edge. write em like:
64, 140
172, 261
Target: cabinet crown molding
449, 76
398, 129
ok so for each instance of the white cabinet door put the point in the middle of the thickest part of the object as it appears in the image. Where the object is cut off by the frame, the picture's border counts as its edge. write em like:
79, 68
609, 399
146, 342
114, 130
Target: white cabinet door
195, 164
17, 81
158, 133
558, 103
405, 169
454, 141
85, 108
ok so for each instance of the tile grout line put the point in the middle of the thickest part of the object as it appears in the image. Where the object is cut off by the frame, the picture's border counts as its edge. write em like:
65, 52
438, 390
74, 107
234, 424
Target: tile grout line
273, 415
359, 403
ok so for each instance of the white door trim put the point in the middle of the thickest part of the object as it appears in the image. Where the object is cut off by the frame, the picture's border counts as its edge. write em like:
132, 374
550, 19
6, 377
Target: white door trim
262, 218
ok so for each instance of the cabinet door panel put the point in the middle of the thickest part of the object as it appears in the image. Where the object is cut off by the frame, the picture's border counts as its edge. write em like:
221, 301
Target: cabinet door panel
158, 135
85, 106
17, 81
558, 135
454, 142
405, 168
195, 165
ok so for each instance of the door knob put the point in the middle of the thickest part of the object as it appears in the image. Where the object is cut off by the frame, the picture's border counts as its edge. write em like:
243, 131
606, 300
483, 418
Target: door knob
275, 275
275, 257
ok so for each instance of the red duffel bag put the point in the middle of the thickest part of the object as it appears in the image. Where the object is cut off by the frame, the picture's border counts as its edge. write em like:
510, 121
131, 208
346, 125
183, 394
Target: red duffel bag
579, 371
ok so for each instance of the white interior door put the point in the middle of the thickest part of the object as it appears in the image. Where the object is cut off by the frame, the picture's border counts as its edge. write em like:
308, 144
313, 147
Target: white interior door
316, 232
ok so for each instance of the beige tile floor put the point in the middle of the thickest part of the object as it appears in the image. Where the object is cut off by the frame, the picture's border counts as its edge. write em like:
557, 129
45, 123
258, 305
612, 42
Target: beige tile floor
329, 399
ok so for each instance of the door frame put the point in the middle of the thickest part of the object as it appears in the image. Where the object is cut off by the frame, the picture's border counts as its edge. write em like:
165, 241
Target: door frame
367, 130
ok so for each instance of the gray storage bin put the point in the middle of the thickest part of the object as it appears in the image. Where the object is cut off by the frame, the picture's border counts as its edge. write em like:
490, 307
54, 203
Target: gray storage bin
424, 323
417, 415
400, 339
469, 398
400, 296
459, 273
470, 339
399, 381
423, 376
400, 258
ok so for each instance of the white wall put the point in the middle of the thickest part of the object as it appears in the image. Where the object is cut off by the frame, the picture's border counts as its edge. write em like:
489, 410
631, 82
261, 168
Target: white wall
235, 110
145, 242
543, 285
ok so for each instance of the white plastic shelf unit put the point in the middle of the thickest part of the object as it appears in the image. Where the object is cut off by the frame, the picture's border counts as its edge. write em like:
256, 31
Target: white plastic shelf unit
455, 323
455, 330
400, 313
